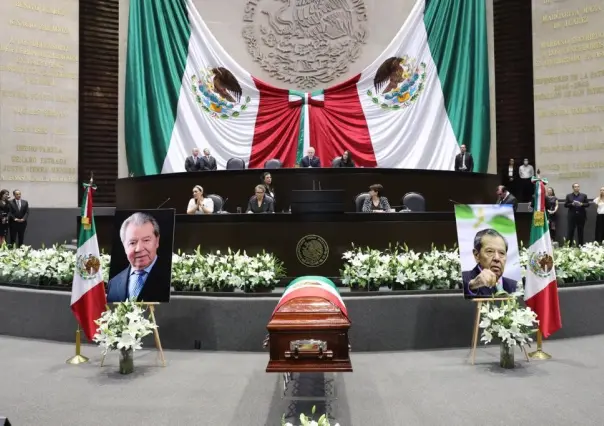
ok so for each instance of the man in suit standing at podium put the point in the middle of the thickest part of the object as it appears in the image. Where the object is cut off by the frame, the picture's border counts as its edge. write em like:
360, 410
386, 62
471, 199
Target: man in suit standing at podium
193, 163
19, 212
207, 161
142, 279
310, 160
464, 161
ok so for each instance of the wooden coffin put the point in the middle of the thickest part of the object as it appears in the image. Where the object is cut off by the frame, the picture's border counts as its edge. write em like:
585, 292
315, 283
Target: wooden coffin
308, 330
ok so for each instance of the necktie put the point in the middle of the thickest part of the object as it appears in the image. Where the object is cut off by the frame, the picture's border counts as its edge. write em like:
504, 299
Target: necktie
463, 161
19, 204
138, 286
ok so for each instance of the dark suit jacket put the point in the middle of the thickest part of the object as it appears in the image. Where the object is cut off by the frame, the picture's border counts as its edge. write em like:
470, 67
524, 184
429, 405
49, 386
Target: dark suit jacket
467, 276
268, 205
16, 213
469, 163
505, 176
307, 162
192, 164
510, 199
208, 163
156, 288
576, 211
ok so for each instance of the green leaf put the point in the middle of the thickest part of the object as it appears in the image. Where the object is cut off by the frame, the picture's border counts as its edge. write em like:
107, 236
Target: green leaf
385, 106
463, 211
375, 100
224, 116
243, 107
369, 93
247, 99
396, 107
503, 224
205, 108
235, 114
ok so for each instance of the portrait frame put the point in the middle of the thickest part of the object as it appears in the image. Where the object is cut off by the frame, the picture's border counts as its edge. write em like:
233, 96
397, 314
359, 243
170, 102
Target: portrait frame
157, 286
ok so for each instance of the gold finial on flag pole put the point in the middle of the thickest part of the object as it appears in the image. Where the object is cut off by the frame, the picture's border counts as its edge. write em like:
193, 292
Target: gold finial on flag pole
78, 358
539, 354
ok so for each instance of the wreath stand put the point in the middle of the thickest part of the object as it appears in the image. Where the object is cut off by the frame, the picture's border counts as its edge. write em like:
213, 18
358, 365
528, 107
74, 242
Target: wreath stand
151, 306
479, 302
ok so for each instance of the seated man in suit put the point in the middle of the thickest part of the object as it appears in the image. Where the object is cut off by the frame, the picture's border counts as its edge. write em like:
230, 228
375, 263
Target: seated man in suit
310, 160
261, 203
142, 279
486, 279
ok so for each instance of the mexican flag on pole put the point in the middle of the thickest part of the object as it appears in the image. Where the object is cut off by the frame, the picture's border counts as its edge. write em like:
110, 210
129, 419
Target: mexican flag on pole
88, 298
541, 289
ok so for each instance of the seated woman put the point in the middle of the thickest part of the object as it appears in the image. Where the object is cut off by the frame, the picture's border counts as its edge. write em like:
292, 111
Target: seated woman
375, 203
200, 204
267, 182
260, 203
346, 160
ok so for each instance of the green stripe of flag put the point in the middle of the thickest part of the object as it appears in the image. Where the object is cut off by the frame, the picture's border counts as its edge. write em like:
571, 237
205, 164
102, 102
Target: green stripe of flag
85, 234
461, 56
158, 41
312, 278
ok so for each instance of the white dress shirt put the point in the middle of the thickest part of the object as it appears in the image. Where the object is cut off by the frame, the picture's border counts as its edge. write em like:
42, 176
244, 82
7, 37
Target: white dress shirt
526, 172
208, 203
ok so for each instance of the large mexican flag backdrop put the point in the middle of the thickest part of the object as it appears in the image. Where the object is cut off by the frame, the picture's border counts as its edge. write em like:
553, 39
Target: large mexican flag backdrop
422, 97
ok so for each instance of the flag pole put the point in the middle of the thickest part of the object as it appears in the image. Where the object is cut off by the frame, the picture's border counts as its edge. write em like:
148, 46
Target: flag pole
539, 354
78, 358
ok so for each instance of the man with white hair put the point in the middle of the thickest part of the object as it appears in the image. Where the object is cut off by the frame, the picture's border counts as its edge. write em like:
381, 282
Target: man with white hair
310, 160
140, 280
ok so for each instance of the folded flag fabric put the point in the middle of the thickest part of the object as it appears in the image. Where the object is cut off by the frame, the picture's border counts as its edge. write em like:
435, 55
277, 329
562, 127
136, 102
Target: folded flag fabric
422, 97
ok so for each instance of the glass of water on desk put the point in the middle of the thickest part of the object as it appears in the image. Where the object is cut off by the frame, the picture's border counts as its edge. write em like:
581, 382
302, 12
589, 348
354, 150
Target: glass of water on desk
239, 210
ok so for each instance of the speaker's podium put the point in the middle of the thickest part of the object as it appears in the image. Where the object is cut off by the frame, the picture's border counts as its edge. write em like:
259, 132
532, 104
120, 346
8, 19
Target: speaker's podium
318, 201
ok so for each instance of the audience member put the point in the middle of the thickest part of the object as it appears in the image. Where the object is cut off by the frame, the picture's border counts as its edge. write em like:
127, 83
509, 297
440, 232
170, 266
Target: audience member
576, 202
267, 182
4, 215
346, 160
200, 204
509, 176
376, 203
310, 160
464, 161
193, 163
260, 203
504, 197
525, 188
207, 161
599, 202
18, 218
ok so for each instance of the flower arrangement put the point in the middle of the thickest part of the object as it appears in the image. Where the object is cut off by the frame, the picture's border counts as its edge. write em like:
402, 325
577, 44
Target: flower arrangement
193, 272
401, 268
509, 322
123, 329
308, 421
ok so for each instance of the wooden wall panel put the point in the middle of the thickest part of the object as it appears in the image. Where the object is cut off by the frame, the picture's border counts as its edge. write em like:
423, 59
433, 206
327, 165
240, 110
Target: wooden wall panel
99, 47
514, 81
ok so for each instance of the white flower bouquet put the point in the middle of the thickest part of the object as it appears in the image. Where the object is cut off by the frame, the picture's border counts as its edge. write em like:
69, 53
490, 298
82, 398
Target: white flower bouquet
123, 328
367, 268
308, 421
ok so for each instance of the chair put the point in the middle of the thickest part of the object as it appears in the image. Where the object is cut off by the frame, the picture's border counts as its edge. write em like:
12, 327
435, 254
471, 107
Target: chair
235, 164
218, 202
273, 163
336, 162
359, 200
414, 201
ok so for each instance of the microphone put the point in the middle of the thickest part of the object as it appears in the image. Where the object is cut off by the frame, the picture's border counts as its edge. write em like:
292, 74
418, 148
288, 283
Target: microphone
162, 204
455, 202
319, 185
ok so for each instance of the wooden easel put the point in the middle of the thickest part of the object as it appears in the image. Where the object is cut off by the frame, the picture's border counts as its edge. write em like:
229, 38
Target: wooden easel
479, 302
151, 306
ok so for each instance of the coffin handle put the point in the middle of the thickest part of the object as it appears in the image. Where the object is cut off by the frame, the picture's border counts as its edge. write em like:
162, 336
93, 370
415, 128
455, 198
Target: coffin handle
266, 341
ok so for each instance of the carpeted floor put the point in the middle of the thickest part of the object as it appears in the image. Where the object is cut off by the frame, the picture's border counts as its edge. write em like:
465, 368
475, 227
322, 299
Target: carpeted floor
37, 388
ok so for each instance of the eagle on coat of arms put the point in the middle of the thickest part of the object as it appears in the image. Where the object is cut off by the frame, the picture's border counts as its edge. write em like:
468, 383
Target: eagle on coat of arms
219, 93
398, 82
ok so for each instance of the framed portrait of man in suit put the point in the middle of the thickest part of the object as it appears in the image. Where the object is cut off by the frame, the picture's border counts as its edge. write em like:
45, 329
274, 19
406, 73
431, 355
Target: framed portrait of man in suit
141, 256
488, 250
